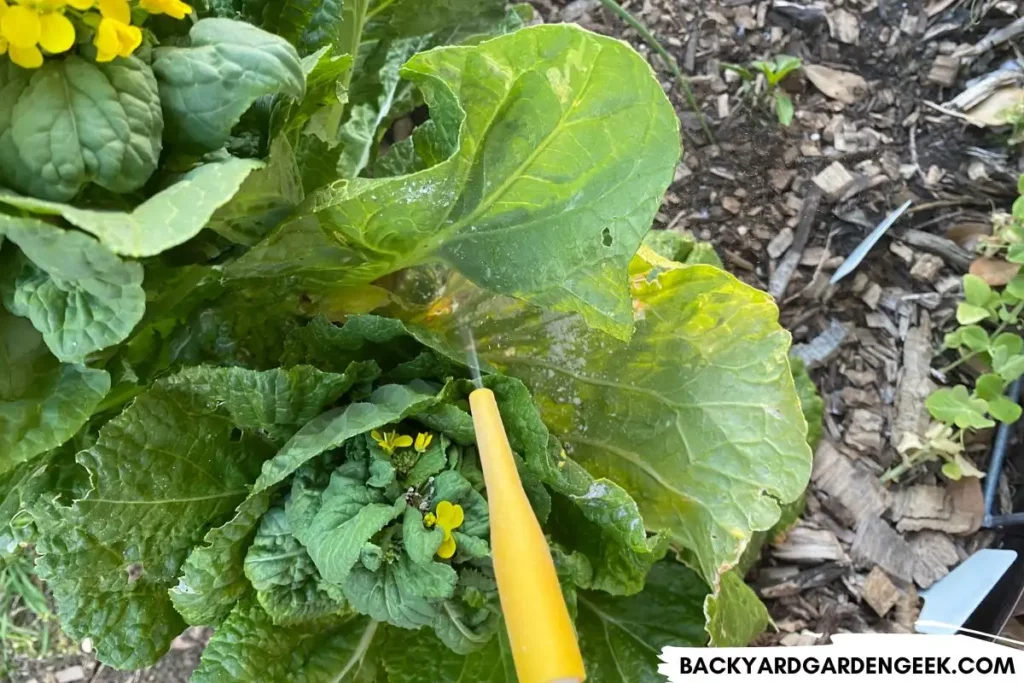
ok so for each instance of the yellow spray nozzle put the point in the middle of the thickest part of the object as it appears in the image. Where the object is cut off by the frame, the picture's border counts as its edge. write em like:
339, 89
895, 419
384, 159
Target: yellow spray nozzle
543, 640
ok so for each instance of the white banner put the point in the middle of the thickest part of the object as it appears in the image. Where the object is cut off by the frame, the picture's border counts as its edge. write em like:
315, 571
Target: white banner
850, 657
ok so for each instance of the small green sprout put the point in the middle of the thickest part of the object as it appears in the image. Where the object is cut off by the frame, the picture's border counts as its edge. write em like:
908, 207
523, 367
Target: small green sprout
775, 71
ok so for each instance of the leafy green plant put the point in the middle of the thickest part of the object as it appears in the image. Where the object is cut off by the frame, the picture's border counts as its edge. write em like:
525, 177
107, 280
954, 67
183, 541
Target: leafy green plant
988, 336
234, 394
774, 70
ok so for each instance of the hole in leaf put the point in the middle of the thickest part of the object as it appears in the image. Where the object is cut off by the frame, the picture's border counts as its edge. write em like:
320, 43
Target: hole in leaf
606, 237
236, 435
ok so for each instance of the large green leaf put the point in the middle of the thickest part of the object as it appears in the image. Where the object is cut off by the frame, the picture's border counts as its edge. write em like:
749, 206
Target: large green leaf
78, 294
249, 647
419, 657
287, 582
212, 579
73, 122
42, 402
412, 18
307, 24
621, 638
696, 417
163, 221
161, 472
388, 403
556, 176
735, 614
174, 464
206, 87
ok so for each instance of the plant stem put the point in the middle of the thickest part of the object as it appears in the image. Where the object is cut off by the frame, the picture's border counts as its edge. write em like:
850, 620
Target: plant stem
684, 83
1002, 326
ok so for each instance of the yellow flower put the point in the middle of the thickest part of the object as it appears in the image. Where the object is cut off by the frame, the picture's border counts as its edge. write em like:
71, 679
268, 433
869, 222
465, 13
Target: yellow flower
389, 441
172, 8
115, 36
449, 517
28, 26
429, 520
423, 441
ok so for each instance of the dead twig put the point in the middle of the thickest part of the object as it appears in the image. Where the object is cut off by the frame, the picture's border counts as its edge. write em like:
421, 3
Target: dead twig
948, 250
788, 263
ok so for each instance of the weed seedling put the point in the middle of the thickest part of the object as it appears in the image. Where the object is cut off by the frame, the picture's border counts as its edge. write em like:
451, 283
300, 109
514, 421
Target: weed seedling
774, 70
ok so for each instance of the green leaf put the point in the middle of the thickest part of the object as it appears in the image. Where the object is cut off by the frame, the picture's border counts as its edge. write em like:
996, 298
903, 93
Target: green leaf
161, 472
286, 581
951, 470
1016, 286
976, 291
349, 517
954, 339
989, 386
307, 24
401, 593
967, 314
165, 220
42, 402
783, 107
212, 579
1018, 208
371, 97
973, 337
389, 403
73, 122
1010, 343
954, 405
170, 467
248, 646
539, 123
1011, 368
206, 87
81, 297
593, 516
697, 417
621, 638
420, 657
735, 615
1015, 253
453, 18
1004, 410
811, 403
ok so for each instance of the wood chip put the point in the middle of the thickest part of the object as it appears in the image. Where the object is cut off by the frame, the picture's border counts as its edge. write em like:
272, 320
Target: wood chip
834, 180
784, 270
956, 509
780, 243
905, 253
844, 86
880, 592
798, 639
872, 295
914, 384
995, 272
944, 70
731, 204
935, 552
781, 178
70, 674
815, 577
856, 490
824, 347
806, 544
865, 430
844, 26
926, 268
878, 543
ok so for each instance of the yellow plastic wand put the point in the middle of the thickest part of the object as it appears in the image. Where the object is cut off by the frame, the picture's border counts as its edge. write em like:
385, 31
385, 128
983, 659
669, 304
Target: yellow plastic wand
541, 634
